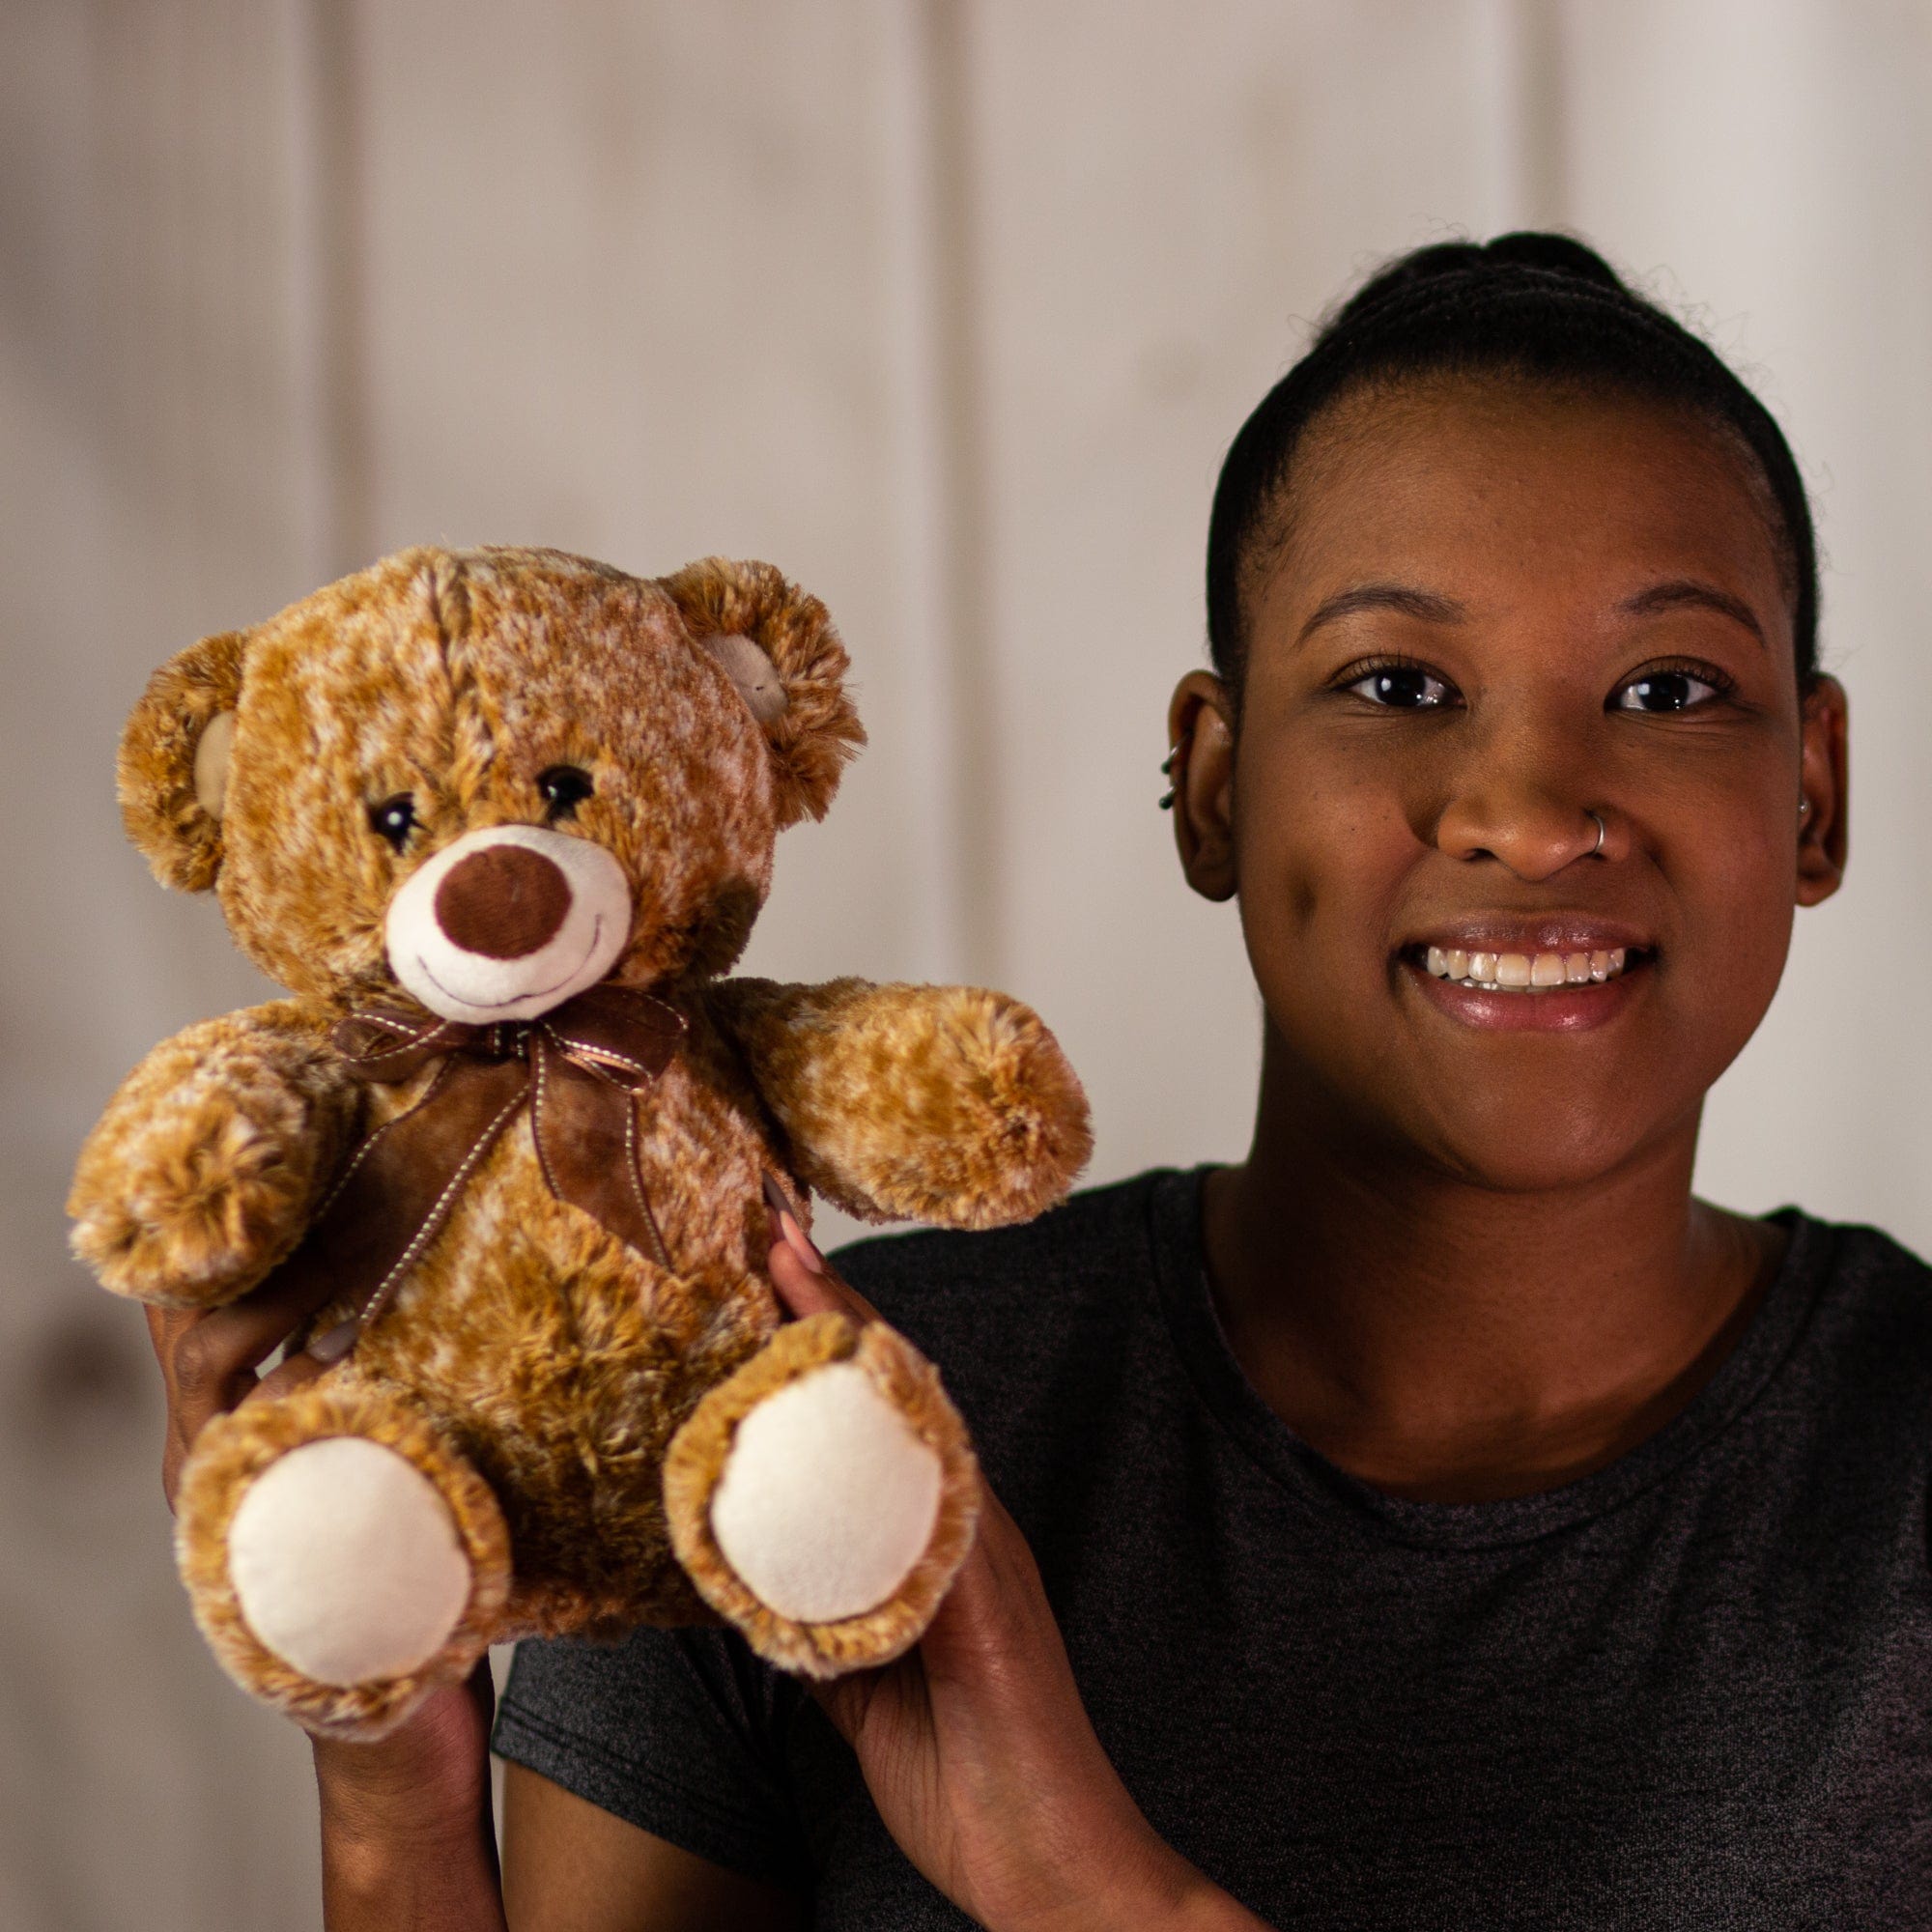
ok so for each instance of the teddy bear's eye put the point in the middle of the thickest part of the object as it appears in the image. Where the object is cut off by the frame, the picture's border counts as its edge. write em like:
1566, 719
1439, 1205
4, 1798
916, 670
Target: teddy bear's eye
393, 818
565, 788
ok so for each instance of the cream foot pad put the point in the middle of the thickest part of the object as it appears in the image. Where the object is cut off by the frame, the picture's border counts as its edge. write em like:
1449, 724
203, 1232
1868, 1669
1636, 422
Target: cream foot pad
827, 1500
346, 1563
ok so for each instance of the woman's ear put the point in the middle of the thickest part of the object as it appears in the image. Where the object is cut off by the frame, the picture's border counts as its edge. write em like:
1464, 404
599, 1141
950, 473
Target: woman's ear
777, 646
1824, 775
1200, 781
174, 762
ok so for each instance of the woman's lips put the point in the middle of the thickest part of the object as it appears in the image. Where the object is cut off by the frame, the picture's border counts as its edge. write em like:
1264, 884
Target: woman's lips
1542, 991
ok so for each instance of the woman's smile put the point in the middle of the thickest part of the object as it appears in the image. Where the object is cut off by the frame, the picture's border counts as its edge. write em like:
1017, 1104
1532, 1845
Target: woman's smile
1525, 972
1546, 991
1558, 973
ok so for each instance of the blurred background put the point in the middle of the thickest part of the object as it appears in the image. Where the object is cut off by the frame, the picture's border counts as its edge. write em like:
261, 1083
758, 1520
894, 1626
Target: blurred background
947, 306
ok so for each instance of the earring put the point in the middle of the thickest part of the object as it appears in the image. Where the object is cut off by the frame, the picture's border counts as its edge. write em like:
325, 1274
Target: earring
1803, 805
1168, 770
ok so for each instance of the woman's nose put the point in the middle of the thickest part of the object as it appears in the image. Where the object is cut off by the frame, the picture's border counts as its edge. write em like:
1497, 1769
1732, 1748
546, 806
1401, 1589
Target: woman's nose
1532, 812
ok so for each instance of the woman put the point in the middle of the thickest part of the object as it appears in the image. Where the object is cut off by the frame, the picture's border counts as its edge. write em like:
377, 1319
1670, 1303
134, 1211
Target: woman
1441, 1518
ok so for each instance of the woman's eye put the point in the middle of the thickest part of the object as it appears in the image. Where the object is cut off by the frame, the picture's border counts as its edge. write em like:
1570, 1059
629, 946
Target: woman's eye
393, 818
565, 788
1402, 687
1665, 691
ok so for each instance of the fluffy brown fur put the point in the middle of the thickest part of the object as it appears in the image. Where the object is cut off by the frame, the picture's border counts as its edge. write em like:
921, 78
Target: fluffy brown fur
164, 817
819, 729
204, 1173
533, 1365
946, 1104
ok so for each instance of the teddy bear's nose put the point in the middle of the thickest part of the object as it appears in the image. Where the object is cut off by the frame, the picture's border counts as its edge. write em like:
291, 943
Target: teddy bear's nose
502, 901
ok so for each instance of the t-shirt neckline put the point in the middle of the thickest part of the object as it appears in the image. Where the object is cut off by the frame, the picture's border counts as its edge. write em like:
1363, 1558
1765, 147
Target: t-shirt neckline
1181, 1275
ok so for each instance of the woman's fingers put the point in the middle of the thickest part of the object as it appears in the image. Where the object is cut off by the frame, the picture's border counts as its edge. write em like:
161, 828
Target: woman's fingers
209, 1357
286, 1375
805, 1290
807, 1283
246, 1332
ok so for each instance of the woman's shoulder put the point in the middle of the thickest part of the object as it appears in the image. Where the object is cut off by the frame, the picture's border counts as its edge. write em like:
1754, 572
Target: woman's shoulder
1857, 1316
1093, 1243
1006, 1310
1857, 1272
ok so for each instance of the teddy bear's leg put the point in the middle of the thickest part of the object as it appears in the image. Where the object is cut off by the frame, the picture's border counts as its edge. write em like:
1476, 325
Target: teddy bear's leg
341, 1558
824, 1496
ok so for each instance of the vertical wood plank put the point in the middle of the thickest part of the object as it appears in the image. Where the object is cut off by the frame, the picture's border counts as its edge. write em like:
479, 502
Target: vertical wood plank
148, 442
1166, 207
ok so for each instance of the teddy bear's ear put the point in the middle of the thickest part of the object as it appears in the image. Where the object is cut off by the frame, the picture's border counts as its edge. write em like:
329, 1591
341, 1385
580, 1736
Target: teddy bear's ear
776, 643
174, 762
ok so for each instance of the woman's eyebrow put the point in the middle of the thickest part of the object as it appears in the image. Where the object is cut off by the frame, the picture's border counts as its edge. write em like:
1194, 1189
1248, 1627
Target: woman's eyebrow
1426, 604
1687, 592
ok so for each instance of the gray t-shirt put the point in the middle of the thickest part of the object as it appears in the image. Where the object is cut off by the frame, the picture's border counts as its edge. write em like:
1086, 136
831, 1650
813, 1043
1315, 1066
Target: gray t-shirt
1691, 1689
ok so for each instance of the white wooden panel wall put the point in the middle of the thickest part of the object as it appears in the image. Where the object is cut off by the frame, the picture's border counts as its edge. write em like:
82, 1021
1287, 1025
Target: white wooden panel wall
950, 307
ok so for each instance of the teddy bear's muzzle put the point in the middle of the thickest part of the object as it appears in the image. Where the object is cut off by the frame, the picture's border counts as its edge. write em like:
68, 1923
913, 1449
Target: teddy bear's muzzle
508, 921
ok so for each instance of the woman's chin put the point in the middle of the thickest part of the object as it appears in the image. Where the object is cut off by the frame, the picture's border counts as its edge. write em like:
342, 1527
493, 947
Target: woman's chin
1494, 1150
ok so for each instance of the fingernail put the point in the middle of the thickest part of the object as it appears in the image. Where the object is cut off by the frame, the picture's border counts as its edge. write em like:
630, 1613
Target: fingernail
801, 1244
337, 1343
775, 1196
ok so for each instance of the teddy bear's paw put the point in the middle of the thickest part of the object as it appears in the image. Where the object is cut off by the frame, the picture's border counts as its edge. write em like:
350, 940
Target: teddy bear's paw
193, 1206
341, 1560
824, 1496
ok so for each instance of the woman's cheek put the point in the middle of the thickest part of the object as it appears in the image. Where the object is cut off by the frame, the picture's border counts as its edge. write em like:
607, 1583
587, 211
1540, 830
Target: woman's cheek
1316, 893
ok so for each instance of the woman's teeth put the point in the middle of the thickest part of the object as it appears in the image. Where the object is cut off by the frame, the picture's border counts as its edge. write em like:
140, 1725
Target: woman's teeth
1525, 972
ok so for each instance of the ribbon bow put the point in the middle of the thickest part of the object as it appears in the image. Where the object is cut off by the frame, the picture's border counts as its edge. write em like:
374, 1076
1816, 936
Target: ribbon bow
578, 1068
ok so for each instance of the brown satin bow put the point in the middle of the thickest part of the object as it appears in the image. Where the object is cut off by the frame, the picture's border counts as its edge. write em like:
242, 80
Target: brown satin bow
578, 1068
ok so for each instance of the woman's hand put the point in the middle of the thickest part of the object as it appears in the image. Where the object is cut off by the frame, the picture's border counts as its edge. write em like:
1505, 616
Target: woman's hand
976, 1746
407, 1834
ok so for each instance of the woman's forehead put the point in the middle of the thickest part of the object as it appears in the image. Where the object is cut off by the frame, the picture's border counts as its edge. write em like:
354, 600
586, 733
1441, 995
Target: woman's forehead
1483, 483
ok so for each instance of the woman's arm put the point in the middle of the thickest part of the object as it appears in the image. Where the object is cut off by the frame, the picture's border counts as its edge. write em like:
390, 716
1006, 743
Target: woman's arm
571, 1866
407, 1838
408, 1845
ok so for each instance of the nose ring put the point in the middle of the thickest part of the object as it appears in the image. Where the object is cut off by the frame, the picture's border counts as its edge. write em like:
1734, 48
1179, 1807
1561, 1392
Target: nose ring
1598, 846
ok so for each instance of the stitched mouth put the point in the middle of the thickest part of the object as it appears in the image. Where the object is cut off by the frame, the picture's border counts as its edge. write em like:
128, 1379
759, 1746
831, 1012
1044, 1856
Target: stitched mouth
531, 993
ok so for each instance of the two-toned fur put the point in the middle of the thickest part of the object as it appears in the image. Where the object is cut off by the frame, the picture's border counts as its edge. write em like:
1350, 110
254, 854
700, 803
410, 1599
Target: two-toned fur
536, 1370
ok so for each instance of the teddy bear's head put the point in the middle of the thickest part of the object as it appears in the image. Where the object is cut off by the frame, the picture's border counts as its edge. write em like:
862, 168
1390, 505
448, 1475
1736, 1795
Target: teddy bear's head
496, 777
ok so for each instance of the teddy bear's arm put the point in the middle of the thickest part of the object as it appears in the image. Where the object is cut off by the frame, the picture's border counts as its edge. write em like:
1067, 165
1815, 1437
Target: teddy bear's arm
209, 1159
944, 1104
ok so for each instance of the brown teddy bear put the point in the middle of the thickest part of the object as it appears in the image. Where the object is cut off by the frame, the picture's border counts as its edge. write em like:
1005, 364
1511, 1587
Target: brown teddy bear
500, 820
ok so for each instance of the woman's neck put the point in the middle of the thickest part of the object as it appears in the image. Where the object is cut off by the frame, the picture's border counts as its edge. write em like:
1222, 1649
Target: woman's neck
1452, 1342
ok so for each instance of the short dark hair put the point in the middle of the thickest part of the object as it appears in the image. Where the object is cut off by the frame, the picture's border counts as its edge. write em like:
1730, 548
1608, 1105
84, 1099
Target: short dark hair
1541, 307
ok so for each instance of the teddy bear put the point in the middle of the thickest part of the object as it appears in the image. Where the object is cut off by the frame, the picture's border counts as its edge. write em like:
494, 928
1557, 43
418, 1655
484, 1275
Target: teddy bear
500, 822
